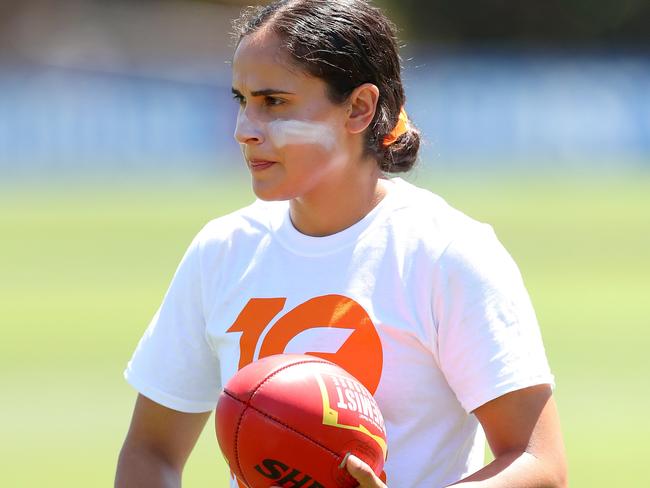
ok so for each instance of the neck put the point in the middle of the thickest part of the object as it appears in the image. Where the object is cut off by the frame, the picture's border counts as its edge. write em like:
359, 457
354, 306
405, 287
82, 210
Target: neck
343, 203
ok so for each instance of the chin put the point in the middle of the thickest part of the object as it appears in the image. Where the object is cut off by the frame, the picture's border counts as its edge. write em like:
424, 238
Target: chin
270, 193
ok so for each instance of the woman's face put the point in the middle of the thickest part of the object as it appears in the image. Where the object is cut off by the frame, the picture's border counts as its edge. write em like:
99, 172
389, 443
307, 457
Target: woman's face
292, 136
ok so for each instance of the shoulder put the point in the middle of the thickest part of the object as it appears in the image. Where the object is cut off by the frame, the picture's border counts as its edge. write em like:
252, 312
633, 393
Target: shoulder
420, 212
458, 245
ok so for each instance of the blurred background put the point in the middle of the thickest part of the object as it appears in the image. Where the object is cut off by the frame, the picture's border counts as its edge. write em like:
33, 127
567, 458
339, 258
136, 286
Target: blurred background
116, 146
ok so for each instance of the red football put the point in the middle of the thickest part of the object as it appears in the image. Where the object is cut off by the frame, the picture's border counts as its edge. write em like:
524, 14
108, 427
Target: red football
290, 419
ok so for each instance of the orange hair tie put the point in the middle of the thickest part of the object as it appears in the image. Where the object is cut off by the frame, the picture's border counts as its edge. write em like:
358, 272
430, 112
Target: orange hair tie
400, 129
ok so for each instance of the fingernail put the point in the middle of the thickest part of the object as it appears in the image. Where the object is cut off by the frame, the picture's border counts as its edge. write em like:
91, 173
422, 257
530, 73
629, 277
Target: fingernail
354, 461
345, 460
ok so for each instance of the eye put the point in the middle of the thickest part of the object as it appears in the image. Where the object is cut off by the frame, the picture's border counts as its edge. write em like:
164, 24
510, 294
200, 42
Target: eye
270, 101
239, 98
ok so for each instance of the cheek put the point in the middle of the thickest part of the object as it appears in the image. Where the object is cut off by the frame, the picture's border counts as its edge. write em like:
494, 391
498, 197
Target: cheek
303, 158
309, 149
300, 136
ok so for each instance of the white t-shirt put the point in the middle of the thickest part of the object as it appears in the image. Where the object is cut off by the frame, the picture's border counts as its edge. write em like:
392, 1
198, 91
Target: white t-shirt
420, 302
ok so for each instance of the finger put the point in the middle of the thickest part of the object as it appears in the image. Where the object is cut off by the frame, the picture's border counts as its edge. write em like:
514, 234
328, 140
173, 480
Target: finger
361, 472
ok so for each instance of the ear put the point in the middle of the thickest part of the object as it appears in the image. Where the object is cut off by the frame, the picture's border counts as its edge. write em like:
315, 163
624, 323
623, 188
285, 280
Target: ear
363, 105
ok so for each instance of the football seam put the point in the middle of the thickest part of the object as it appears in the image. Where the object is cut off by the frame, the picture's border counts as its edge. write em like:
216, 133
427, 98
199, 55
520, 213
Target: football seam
239, 421
286, 366
278, 421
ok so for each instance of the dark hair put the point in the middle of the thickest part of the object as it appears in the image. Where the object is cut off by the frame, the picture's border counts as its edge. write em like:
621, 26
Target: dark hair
345, 43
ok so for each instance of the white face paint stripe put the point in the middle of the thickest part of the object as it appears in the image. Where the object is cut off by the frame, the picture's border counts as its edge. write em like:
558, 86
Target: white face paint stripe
285, 132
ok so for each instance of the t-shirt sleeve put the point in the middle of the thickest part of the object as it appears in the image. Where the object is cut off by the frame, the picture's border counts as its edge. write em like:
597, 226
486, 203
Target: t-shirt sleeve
173, 363
488, 338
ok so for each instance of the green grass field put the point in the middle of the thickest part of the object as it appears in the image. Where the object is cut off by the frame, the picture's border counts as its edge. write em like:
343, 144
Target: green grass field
84, 267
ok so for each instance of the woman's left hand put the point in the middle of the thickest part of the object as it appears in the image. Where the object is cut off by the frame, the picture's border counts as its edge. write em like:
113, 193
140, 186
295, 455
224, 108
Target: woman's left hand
361, 472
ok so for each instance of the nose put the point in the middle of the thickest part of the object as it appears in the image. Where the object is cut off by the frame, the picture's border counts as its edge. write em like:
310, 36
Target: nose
247, 130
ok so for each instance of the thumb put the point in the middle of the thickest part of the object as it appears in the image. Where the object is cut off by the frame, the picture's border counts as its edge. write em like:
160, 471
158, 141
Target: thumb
361, 472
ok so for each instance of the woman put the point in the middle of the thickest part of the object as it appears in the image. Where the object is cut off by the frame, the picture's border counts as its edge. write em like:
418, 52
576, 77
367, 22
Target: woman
418, 301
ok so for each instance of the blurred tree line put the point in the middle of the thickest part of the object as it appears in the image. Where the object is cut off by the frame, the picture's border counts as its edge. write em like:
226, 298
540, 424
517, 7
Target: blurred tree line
527, 21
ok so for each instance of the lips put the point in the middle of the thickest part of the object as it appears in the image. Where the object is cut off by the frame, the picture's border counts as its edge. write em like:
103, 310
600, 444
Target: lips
260, 164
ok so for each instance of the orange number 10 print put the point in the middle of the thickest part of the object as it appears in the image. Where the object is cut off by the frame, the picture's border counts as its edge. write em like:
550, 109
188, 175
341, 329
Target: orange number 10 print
361, 354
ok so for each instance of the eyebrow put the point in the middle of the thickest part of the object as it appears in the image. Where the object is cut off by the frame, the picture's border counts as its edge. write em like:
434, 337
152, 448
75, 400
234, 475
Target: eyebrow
264, 93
